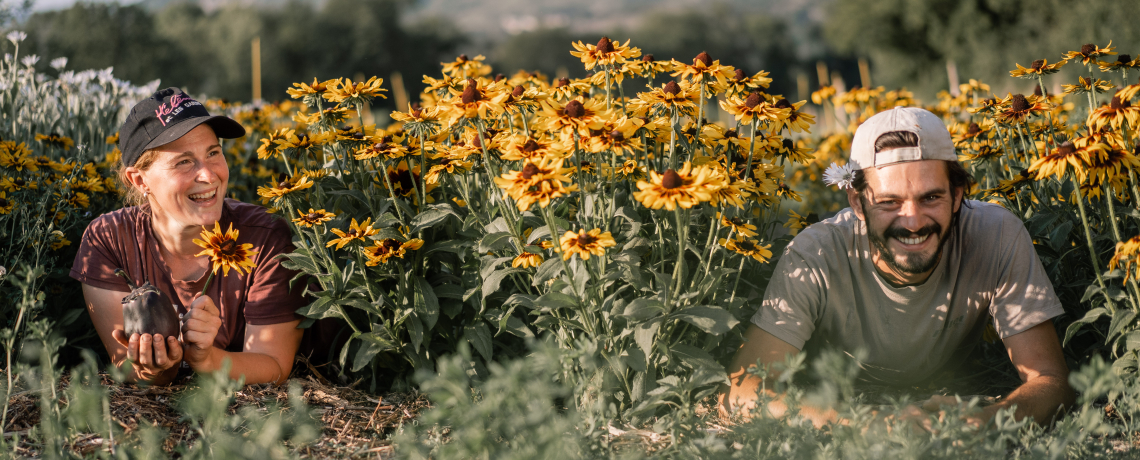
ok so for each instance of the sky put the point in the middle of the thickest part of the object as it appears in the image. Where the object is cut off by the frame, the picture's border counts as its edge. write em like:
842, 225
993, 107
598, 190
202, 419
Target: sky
45, 5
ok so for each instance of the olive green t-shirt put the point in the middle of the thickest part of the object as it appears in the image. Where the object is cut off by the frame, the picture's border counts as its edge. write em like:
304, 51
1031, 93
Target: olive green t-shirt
826, 288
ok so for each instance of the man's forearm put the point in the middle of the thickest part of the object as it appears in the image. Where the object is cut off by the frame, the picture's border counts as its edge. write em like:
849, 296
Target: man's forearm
1040, 398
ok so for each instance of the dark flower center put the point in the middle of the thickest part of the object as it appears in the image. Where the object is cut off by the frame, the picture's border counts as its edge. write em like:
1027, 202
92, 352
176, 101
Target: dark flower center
283, 181
740, 75
1088, 48
647, 58
737, 221
672, 88
605, 46
586, 240
1038, 64
529, 171
381, 146
1019, 103
973, 129
671, 179
462, 58
517, 91
358, 135
1124, 58
783, 104
1066, 148
746, 246
530, 146
499, 77
704, 58
617, 136
1117, 104
562, 82
227, 247
477, 141
574, 109
1037, 90
730, 133
417, 109
753, 100
312, 217
390, 244
3, 203
470, 93
20, 182
789, 145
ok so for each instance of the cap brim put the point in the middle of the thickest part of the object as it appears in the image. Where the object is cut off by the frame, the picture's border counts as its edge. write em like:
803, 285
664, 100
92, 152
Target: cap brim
224, 127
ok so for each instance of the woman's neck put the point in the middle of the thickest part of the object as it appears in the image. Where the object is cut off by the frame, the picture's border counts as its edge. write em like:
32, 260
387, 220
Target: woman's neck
174, 238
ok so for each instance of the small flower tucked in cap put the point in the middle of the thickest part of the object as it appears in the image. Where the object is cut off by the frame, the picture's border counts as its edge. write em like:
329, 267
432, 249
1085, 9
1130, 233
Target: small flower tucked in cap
841, 176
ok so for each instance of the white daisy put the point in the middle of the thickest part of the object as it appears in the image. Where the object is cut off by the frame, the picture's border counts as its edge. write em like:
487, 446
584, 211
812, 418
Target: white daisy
842, 176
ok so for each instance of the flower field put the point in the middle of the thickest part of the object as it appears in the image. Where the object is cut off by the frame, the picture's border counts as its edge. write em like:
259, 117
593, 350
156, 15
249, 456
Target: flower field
564, 266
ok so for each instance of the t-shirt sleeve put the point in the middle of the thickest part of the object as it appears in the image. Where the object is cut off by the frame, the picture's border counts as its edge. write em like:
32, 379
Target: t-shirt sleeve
793, 299
270, 300
1024, 296
99, 256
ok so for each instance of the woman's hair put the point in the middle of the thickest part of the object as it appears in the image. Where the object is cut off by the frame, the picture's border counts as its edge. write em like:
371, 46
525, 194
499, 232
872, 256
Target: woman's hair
131, 195
959, 177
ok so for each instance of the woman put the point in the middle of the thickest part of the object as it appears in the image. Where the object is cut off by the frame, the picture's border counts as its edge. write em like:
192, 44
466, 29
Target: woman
175, 173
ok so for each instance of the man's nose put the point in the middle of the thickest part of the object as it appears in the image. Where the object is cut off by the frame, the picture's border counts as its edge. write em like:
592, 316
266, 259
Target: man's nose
908, 217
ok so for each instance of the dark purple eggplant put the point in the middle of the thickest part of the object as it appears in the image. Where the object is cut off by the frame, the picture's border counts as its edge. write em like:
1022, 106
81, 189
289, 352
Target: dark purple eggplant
148, 310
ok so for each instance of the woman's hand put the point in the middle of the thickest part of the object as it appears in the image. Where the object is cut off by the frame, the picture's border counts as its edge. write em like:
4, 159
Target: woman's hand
199, 328
152, 355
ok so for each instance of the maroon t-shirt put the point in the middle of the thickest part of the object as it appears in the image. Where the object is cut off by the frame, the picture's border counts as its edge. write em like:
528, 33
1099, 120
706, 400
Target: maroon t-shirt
124, 239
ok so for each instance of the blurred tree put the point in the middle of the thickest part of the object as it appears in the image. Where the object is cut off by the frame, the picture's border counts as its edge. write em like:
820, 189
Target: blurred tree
544, 50
910, 41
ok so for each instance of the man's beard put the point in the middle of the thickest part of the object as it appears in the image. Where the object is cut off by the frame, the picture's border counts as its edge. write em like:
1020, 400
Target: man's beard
915, 263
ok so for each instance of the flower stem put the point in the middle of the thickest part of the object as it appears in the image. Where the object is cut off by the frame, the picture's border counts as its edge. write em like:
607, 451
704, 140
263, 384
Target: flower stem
682, 230
1092, 249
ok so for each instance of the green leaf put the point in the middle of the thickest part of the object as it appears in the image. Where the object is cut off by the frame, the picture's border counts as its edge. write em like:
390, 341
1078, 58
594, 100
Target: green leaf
553, 301
1089, 317
429, 218
493, 242
1132, 341
449, 291
538, 233
369, 347
547, 270
1060, 235
1039, 222
491, 283
426, 303
480, 337
524, 300
1121, 320
416, 331
644, 333
693, 357
711, 319
635, 359
1090, 291
488, 264
319, 309
641, 309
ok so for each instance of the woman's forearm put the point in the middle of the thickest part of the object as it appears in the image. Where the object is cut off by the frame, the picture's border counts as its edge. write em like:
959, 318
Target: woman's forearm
253, 367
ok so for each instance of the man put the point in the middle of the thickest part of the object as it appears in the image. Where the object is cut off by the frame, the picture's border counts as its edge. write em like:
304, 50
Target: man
910, 273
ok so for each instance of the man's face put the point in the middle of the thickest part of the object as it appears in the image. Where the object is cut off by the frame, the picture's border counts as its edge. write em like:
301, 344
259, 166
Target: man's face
908, 208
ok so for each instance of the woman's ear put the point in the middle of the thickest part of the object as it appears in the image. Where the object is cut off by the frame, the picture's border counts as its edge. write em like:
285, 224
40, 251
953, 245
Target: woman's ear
135, 178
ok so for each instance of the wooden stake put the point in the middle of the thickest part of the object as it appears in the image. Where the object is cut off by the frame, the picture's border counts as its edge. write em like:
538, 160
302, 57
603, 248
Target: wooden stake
399, 92
256, 52
821, 73
864, 73
952, 75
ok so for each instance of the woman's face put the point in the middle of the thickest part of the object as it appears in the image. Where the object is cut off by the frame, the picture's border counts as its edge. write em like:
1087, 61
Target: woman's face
187, 182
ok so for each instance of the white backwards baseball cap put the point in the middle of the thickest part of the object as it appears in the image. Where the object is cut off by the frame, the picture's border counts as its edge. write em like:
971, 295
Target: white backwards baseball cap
934, 141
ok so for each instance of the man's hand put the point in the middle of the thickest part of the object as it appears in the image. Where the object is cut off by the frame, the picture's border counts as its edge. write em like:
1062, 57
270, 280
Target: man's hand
152, 355
199, 328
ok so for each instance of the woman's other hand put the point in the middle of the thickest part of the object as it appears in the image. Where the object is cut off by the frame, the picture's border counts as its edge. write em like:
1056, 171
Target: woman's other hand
199, 328
151, 355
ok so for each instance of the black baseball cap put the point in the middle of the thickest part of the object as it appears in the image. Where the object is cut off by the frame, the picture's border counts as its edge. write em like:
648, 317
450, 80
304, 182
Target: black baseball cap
164, 117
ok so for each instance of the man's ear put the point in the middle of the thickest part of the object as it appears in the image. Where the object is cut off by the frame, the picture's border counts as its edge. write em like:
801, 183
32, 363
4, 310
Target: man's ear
958, 195
855, 203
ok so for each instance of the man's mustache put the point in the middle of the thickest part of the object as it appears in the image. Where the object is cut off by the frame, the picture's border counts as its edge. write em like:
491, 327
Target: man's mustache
899, 232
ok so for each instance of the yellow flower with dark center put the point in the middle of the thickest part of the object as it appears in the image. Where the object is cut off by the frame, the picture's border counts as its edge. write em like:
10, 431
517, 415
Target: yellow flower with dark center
474, 101
704, 70
527, 260
1107, 162
754, 106
1114, 114
527, 148
58, 240
269, 145
388, 150
723, 190
1017, 108
983, 151
1126, 259
1038, 68
224, 250
292, 144
664, 100
538, 182
606, 53
302, 89
685, 188
6, 204
629, 170
1009, 188
585, 243
738, 225
326, 118
973, 131
55, 140
419, 121
748, 248
576, 116
1059, 161
1087, 85
793, 119
618, 136
388, 248
448, 166
796, 222
313, 217
647, 67
794, 151
783, 190
406, 182
464, 67
15, 184
347, 93
1089, 52
284, 186
1122, 62
357, 232
740, 83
